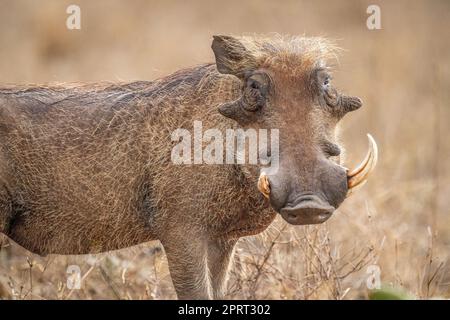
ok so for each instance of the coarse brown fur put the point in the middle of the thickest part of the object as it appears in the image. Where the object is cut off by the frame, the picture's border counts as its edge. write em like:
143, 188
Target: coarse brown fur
87, 168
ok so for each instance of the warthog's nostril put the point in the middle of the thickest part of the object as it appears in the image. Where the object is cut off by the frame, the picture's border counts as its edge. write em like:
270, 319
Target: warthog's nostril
309, 209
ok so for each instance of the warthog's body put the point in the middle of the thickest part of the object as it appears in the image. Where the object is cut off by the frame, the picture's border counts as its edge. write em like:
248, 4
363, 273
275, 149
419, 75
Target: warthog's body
87, 168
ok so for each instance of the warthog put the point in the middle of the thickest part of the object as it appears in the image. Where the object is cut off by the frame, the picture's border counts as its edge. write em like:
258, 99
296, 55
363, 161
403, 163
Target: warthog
87, 168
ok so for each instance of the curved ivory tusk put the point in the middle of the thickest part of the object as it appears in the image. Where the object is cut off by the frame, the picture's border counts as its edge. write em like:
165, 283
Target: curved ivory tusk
358, 176
354, 189
263, 185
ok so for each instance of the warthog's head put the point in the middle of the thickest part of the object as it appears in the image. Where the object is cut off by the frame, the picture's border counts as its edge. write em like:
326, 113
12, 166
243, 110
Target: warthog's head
286, 85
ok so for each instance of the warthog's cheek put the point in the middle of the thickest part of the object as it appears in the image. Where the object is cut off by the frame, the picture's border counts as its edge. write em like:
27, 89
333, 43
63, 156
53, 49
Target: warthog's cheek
278, 192
334, 185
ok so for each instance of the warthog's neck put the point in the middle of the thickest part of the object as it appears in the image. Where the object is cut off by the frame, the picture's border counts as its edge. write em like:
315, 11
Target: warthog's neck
225, 192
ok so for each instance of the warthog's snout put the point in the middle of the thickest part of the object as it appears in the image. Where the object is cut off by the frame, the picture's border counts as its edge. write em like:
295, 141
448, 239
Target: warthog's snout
308, 209
310, 196
308, 201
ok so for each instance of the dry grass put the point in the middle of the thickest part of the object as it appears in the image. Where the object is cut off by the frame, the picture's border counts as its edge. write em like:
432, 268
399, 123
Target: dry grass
400, 221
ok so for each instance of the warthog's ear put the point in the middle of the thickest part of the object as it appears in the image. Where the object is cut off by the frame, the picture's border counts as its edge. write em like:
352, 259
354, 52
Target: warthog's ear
231, 56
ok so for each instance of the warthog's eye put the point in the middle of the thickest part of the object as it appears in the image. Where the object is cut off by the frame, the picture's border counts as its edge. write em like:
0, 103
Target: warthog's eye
326, 94
326, 83
323, 79
328, 97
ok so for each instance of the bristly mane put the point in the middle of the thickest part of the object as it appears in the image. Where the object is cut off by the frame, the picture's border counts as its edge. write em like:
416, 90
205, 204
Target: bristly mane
199, 85
292, 53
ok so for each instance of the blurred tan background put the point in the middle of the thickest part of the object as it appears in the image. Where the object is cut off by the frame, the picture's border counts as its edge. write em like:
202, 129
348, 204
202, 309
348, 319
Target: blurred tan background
399, 223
